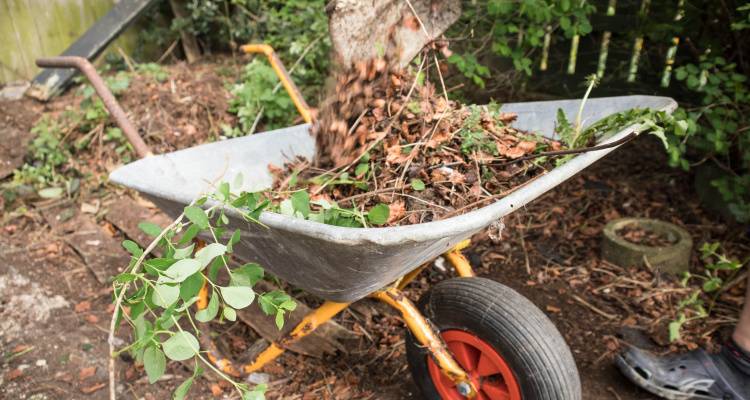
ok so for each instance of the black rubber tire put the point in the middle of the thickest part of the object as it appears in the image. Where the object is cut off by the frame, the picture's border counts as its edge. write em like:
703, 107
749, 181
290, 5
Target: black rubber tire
526, 339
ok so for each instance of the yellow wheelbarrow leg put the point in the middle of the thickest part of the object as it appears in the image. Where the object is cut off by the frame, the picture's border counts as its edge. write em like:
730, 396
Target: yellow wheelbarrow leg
426, 336
456, 258
283, 75
406, 279
459, 261
308, 324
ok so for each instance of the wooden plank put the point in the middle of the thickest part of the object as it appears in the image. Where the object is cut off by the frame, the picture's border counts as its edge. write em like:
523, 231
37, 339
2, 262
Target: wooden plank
101, 253
327, 339
64, 21
52, 81
11, 55
125, 214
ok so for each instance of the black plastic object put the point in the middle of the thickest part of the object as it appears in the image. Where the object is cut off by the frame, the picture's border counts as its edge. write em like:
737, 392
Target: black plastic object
694, 375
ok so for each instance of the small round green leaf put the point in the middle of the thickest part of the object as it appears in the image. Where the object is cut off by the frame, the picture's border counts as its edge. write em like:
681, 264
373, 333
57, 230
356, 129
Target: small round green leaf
150, 228
182, 390
254, 395
362, 169
184, 252
165, 295
51, 193
154, 362
126, 277
301, 202
209, 313
237, 296
181, 270
190, 287
208, 253
246, 275
279, 319
132, 248
230, 314
417, 184
197, 216
378, 215
181, 346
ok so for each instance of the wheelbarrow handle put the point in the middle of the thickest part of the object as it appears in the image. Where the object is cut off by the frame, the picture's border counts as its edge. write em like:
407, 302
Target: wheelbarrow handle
284, 77
83, 65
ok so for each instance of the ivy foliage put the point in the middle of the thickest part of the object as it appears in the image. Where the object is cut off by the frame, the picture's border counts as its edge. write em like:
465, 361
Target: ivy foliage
698, 304
256, 97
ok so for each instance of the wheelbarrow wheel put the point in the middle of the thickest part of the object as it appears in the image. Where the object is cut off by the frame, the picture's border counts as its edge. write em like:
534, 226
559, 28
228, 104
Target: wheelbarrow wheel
510, 349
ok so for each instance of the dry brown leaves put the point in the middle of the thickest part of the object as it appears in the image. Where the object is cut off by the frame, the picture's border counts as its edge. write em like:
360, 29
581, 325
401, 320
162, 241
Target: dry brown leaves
409, 132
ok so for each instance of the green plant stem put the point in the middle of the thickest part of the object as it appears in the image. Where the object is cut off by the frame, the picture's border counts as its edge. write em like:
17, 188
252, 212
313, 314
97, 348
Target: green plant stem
574, 142
198, 354
118, 303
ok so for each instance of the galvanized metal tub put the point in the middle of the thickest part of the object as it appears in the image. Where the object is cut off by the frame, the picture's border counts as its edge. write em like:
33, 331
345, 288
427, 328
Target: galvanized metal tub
346, 264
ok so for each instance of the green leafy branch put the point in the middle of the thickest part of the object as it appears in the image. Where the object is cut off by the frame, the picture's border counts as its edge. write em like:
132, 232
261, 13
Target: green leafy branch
155, 296
712, 284
299, 205
661, 124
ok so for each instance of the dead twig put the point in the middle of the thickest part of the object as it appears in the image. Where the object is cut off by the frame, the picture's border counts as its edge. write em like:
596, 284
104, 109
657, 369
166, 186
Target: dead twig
592, 307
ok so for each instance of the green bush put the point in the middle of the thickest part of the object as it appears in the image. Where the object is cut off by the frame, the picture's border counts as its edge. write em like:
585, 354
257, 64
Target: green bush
296, 29
255, 98
718, 128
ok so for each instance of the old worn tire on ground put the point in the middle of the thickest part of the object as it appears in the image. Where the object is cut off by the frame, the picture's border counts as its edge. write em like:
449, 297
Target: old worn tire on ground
535, 356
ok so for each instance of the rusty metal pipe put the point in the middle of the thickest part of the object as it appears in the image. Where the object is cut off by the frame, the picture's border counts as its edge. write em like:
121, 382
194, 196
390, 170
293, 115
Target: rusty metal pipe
83, 65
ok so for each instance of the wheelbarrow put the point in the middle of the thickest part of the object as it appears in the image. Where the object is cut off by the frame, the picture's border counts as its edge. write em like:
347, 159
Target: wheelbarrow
468, 337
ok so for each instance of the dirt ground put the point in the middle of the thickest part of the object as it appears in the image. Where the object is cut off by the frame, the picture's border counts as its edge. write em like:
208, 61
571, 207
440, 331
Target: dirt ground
55, 306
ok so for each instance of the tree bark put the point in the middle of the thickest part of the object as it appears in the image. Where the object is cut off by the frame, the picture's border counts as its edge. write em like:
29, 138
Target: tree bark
189, 42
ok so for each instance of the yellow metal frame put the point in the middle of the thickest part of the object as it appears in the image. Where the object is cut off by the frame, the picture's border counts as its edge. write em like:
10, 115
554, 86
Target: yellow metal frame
423, 332
283, 75
425, 335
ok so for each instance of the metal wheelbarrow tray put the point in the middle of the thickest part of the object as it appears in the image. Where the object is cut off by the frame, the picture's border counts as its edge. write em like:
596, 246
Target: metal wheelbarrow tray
337, 263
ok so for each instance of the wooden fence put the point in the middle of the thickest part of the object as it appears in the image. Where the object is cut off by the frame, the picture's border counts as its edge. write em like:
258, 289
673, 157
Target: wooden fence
30, 29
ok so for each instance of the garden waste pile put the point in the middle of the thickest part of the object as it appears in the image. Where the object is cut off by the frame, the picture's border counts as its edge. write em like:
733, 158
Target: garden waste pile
394, 150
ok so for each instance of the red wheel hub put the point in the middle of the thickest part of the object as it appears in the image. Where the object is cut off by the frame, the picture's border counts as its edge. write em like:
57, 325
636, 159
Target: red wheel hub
487, 370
